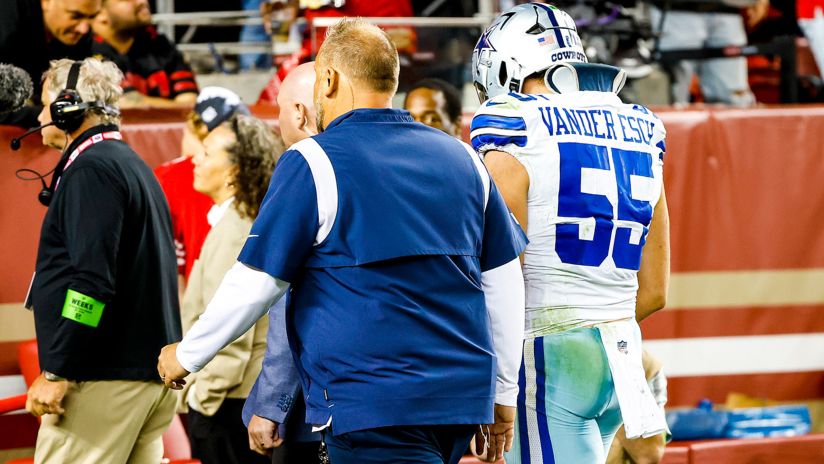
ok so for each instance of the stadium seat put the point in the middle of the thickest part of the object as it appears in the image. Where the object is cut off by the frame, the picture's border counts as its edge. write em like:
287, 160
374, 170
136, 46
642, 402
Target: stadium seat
176, 444
175, 441
14, 403
28, 361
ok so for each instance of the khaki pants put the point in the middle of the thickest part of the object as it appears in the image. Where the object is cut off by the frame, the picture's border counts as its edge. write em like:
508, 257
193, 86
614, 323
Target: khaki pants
107, 422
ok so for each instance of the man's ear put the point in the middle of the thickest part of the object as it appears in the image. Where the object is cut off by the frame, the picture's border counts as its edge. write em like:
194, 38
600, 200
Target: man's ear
306, 125
331, 79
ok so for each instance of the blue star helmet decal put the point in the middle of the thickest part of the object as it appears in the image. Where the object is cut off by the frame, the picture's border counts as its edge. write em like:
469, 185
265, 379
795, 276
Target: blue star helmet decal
484, 43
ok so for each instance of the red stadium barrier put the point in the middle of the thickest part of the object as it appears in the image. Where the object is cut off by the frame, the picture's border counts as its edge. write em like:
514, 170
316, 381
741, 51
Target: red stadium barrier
745, 197
796, 450
676, 454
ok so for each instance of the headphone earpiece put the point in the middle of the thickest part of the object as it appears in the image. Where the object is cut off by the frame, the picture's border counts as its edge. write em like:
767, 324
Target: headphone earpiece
67, 113
68, 110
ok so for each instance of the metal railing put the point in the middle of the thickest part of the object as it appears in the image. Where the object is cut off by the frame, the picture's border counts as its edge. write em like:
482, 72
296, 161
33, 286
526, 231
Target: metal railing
252, 18
209, 18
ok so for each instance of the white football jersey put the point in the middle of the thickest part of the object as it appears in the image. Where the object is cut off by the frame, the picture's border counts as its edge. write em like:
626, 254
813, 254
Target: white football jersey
595, 170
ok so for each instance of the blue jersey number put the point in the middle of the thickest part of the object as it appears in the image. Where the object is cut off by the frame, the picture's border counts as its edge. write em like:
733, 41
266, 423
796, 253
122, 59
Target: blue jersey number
573, 203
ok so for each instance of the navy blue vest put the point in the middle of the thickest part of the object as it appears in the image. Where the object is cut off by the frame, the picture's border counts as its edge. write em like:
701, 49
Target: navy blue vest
386, 166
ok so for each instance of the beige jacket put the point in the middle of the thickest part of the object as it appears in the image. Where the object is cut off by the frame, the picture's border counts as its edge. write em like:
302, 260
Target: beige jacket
232, 373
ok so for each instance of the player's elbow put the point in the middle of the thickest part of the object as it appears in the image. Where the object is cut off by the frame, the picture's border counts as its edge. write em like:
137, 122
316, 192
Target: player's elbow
650, 302
657, 301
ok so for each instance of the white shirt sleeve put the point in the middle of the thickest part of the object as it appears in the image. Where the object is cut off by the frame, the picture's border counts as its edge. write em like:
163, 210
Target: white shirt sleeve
243, 297
505, 300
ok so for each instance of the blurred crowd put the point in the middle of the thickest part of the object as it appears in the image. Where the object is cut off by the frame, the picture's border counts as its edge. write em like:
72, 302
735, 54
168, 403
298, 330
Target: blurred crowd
628, 34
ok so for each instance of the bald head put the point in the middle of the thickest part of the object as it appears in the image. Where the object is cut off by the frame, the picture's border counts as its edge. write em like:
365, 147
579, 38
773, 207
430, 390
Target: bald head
297, 87
295, 100
362, 52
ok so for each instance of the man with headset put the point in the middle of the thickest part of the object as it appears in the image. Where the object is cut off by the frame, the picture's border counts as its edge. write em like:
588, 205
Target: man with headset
105, 289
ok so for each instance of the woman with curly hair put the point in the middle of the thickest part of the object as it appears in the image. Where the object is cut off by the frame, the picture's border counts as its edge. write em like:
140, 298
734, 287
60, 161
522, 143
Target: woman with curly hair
233, 170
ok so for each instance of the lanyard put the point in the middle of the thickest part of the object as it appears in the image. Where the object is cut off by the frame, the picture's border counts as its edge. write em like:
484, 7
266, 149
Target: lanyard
96, 138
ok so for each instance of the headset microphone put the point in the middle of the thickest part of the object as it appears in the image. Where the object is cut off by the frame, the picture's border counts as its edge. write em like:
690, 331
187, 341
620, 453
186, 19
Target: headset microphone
68, 111
16, 142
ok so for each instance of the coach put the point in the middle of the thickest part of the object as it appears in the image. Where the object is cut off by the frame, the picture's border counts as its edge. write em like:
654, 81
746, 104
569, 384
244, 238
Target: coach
105, 289
403, 261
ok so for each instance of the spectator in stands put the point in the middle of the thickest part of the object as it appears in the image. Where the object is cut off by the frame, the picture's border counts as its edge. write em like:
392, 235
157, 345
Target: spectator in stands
388, 360
695, 25
403, 37
34, 32
811, 21
334, 8
437, 104
156, 73
233, 169
254, 33
275, 412
214, 106
105, 294
643, 450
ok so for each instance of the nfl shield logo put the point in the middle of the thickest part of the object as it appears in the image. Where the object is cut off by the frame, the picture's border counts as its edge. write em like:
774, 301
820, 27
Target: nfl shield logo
622, 346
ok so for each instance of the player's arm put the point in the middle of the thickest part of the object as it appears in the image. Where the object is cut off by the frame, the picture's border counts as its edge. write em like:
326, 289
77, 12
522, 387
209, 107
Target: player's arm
653, 277
512, 181
638, 450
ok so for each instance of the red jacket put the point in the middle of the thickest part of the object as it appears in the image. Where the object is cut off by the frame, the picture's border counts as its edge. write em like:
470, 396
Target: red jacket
188, 209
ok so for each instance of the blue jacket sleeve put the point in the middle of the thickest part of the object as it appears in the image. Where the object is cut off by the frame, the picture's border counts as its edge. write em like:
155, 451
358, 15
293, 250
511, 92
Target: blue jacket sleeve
284, 232
278, 385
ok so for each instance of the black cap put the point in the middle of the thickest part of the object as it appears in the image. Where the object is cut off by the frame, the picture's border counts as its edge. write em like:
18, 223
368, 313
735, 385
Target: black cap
215, 105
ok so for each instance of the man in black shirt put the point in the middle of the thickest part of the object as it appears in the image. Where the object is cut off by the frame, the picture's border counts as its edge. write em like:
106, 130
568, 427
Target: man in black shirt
33, 32
105, 289
156, 74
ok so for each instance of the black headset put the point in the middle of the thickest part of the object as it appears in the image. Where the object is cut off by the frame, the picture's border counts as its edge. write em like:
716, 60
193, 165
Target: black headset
68, 110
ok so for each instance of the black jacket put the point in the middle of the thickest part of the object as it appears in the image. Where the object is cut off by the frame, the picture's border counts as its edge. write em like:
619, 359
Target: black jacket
153, 66
23, 43
107, 235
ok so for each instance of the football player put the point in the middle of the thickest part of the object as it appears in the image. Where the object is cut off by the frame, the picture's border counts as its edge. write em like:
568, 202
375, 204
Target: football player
582, 173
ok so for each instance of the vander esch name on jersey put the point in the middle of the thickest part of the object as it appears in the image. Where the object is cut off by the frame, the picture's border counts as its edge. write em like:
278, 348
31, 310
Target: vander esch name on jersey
598, 123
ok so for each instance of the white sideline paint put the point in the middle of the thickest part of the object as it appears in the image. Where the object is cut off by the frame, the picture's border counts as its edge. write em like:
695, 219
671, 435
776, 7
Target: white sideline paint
763, 354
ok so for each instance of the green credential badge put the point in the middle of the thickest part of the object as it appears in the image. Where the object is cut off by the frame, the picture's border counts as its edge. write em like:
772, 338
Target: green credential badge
82, 308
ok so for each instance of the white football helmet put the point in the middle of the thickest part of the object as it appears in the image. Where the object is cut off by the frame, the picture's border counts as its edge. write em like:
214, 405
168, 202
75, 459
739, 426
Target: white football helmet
522, 41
